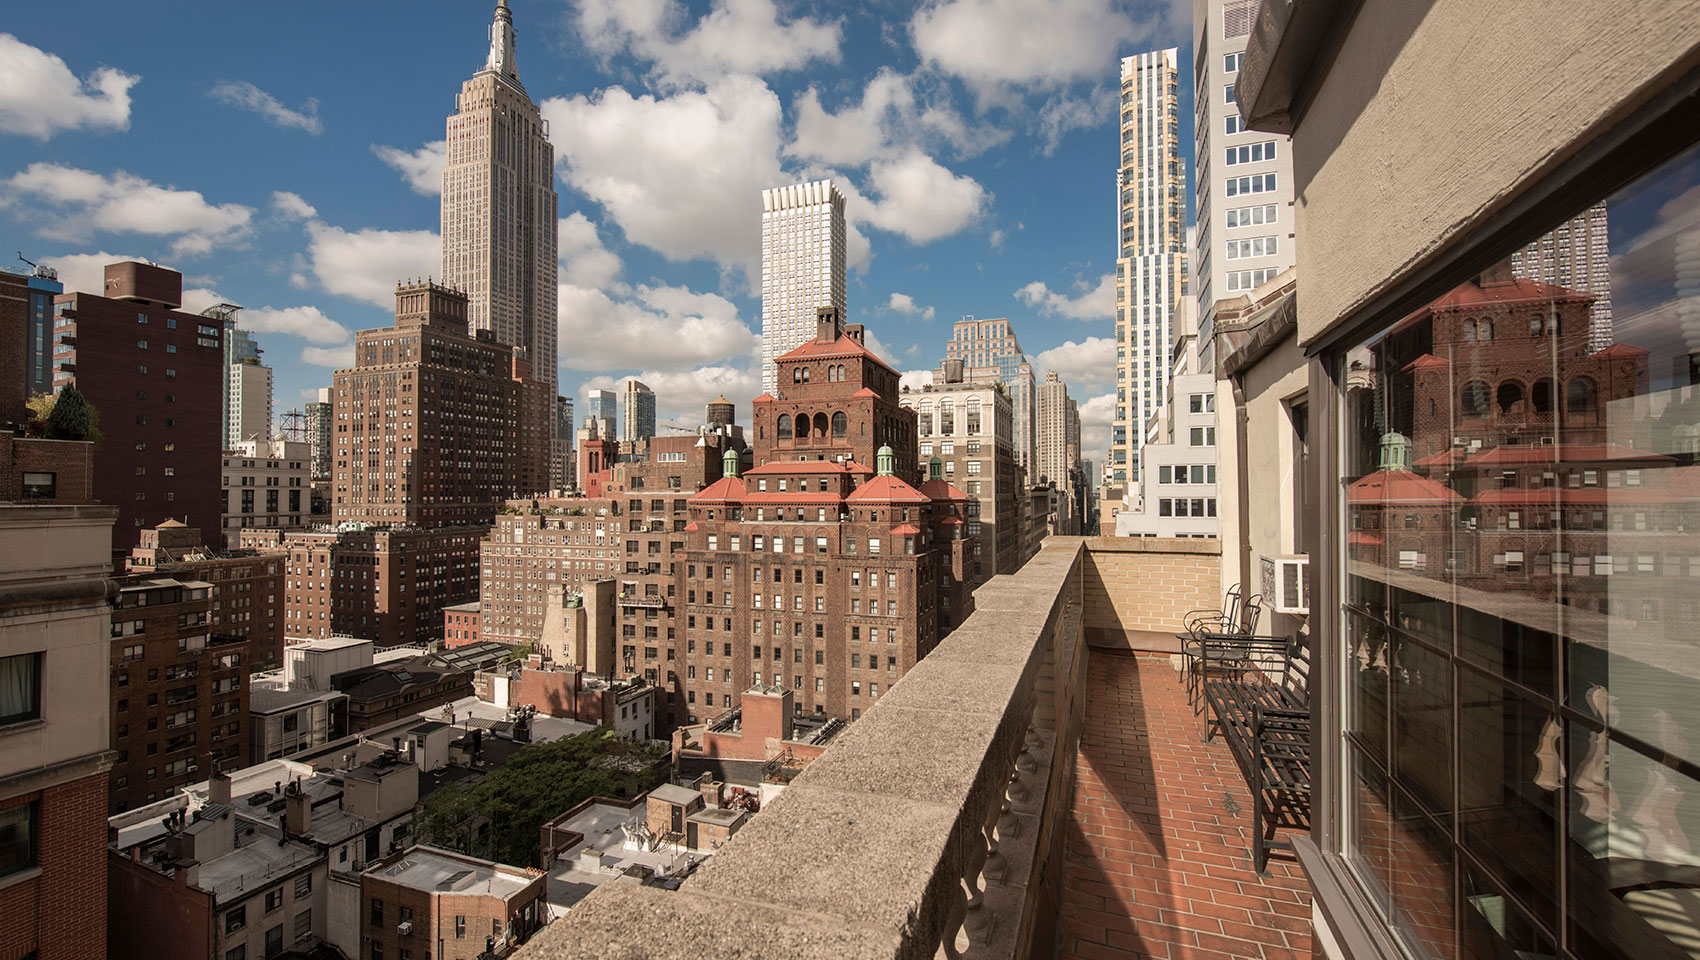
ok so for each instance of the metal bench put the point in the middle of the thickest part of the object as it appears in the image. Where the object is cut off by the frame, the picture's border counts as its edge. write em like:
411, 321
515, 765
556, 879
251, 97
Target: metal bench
1257, 693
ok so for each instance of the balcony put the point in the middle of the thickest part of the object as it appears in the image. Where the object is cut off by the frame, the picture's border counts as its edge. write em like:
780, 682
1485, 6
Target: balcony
1035, 787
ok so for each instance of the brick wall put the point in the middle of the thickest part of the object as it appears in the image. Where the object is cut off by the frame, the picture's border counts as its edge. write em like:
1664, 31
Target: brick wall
70, 461
62, 912
1135, 590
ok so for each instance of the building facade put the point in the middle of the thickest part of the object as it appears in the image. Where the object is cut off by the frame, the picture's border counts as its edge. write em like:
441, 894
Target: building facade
991, 345
602, 405
1243, 177
249, 413
267, 483
562, 462
247, 595
179, 690
498, 207
156, 375
427, 901
637, 411
1056, 428
1151, 264
55, 737
321, 417
32, 294
803, 257
967, 425
1576, 255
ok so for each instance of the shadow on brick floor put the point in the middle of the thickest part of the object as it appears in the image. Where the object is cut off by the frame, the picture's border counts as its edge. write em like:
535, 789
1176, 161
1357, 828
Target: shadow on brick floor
1158, 857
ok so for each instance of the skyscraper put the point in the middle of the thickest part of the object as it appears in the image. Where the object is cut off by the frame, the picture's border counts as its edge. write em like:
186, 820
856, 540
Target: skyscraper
248, 410
989, 346
637, 411
601, 405
1575, 256
802, 267
1151, 258
499, 205
1056, 429
1245, 177
319, 418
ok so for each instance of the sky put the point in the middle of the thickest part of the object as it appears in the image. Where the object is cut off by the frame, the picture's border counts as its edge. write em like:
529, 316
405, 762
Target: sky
290, 164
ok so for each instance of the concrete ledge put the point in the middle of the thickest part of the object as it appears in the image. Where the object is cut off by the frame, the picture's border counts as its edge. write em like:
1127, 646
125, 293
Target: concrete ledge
1132, 641
1190, 545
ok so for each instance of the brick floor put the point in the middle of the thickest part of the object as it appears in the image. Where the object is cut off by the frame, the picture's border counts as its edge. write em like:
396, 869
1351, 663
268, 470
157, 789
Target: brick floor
1159, 846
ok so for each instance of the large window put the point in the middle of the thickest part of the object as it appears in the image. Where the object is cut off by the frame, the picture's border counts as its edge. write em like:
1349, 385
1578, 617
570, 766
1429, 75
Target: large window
20, 688
1520, 622
17, 838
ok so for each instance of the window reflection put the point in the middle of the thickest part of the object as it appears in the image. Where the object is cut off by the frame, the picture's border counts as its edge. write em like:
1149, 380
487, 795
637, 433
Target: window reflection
1522, 608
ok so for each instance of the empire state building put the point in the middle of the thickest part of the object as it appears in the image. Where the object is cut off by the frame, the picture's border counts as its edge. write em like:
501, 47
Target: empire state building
499, 207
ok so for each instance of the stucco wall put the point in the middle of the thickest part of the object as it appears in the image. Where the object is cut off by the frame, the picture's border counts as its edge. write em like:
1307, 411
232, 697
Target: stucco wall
1388, 176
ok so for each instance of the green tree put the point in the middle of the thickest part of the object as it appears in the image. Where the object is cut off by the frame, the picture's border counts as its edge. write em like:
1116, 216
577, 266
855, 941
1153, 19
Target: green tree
68, 416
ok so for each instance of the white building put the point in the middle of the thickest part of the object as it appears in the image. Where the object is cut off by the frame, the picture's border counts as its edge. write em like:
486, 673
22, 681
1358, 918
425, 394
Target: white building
499, 207
803, 251
637, 411
989, 348
266, 484
1151, 246
1244, 178
249, 395
1576, 255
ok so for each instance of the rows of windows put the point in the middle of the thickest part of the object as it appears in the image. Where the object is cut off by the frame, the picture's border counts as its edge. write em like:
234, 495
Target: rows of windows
1251, 279
1250, 153
1186, 507
1256, 183
1252, 247
1187, 473
1253, 216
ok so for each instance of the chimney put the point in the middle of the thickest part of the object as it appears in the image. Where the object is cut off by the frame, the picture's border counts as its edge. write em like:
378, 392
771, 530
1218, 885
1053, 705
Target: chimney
298, 816
710, 791
218, 788
854, 332
828, 324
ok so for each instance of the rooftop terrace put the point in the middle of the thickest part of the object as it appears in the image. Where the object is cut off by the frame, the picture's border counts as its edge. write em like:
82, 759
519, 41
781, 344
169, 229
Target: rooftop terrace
1031, 789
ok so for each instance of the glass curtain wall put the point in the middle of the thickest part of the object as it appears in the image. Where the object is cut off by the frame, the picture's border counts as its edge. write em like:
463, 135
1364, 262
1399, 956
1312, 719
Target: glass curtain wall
1521, 608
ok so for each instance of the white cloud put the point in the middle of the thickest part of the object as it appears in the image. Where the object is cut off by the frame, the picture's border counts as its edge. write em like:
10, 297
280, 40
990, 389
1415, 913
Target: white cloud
79, 203
307, 322
1062, 114
366, 264
682, 395
735, 36
682, 174
332, 357
245, 96
1096, 416
905, 304
196, 299
585, 262
40, 96
894, 115
1034, 43
421, 168
915, 379
921, 200
1089, 303
659, 327
1087, 365
290, 206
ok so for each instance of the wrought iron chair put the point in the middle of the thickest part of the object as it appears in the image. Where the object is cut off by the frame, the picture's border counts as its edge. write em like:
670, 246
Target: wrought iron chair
1221, 641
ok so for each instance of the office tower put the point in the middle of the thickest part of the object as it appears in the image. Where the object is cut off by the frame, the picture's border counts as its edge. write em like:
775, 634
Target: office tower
320, 415
968, 426
31, 295
603, 405
430, 457
248, 413
721, 412
1056, 428
1576, 256
802, 267
1151, 264
990, 345
561, 459
1244, 233
637, 411
156, 375
498, 215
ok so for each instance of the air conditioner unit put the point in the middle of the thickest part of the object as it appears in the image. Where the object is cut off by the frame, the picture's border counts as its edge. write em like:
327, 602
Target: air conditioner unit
404, 928
1287, 583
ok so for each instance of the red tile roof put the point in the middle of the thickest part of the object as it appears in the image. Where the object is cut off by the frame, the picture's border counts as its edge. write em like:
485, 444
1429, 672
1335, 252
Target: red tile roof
942, 490
764, 398
864, 392
787, 467
1564, 453
887, 490
1425, 361
724, 490
906, 530
844, 346
1399, 486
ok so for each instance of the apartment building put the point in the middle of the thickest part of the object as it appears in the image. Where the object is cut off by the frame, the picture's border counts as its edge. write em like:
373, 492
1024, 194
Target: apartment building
247, 595
267, 483
445, 904
989, 348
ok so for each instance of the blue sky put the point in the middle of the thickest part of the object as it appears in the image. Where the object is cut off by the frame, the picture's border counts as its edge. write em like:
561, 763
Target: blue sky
288, 165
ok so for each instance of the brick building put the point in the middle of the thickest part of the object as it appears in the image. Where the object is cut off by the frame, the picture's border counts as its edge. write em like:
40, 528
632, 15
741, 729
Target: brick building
156, 375
385, 585
179, 689
26, 316
429, 902
429, 421
55, 752
812, 571
247, 596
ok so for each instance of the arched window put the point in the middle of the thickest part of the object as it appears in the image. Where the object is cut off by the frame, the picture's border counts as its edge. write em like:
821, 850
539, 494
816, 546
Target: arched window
1487, 330
1469, 329
783, 430
1475, 399
1540, 395
796, 374
1535, 324
947, 417
802, 426
805, 374
973, 410
1509, 395
841, 372
1579, 397
840, 424
924, 414
820, 426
